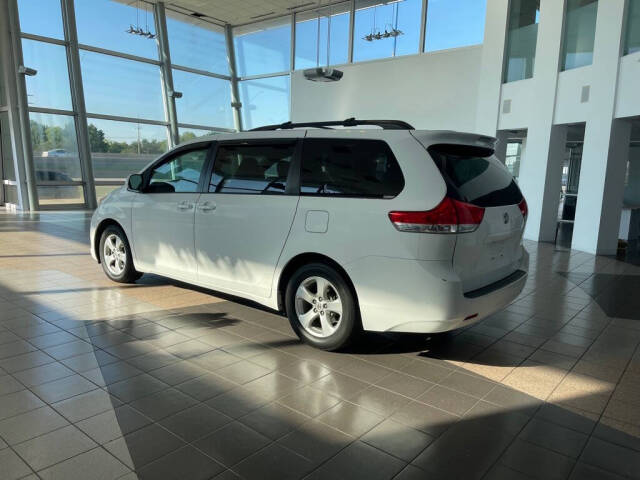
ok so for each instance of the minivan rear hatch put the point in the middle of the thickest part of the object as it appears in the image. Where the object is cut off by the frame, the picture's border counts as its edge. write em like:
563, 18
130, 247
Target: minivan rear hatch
474, 175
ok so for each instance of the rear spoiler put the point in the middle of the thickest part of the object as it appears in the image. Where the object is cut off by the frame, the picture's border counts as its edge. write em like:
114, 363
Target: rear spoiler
431, 137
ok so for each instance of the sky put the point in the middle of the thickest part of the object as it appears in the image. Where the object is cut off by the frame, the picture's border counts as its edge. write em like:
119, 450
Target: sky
121, 87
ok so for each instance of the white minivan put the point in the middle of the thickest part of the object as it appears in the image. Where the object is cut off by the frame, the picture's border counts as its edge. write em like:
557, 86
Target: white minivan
342, 225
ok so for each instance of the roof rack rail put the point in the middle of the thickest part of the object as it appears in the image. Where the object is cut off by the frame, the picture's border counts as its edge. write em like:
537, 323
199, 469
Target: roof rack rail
349, 122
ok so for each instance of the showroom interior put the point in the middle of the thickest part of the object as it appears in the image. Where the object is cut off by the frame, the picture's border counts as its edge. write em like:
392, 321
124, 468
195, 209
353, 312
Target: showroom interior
160, 379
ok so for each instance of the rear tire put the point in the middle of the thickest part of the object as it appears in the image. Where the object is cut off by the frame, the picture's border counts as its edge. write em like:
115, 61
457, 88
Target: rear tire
115, 256
321, 307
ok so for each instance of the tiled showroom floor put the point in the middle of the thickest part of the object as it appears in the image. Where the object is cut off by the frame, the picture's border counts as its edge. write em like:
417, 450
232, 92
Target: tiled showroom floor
160, 380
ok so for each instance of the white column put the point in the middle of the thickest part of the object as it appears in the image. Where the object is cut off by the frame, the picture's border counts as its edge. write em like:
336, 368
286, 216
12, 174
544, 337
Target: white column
541, 170
490, 79
606, 142
501, 145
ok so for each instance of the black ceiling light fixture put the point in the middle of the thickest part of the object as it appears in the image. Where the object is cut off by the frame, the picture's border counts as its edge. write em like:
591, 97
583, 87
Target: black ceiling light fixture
323, 74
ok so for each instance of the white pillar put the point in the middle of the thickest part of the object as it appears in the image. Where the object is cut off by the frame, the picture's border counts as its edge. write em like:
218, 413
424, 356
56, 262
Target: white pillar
541, 170
606, 142
490, 79
501, 145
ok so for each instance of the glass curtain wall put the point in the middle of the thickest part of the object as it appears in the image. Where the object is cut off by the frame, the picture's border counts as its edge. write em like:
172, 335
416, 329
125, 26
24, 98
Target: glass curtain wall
263, 49
522, 36
454, 23
322, 36
54, 141
122, 89
632, 40
200, 73
579, 33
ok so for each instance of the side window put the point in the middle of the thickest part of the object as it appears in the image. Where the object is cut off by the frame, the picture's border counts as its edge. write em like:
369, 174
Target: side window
355, 168
181, 174
251, 168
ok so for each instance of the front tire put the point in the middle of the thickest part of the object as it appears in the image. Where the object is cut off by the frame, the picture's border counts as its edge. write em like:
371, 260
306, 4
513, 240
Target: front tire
321, 307
115, 256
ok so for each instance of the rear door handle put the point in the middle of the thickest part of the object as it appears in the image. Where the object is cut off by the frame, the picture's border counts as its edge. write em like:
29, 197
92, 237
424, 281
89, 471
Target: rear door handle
207, 206
184, 205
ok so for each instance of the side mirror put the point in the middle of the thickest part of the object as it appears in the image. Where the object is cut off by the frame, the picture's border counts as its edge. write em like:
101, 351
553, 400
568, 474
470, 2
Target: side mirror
134, 182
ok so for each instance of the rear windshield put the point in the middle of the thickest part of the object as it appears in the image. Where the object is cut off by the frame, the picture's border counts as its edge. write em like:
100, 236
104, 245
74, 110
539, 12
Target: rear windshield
474, 175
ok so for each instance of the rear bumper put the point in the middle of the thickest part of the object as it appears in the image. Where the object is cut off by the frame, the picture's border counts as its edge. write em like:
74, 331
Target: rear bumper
399, 295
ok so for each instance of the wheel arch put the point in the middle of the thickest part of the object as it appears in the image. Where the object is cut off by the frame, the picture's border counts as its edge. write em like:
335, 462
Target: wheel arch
305, 258
101, 228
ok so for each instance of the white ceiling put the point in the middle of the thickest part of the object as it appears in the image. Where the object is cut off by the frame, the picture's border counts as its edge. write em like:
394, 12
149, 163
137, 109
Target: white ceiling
238, 12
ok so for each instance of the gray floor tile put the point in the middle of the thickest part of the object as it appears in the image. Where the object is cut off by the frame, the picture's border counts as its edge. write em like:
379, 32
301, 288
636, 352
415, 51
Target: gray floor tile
43, 374
612, 458
397, 439
136, 387
274, 462
9, 384
184, 463
86, 405
54, 447
8, 350
232, 443
63, 388
30, 424
12, 465
316, 441
554, 437
143, 446
350, 419
195, 422
163, 404
206, 387
18, 402
533, 460
25, 361
309, 401
96, 464
359, 460
273, 420
113, 424
449, 400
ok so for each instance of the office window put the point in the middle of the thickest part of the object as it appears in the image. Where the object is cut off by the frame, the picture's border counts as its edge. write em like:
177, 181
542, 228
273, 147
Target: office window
50, 87
322, 36
196, 43
251, 168
55, 148
104, 24
119, 149
522, 36
117, 86
180, 174
632, 40
265, 101
579, 33
357, 168
32, 13
205, 100
386, 30
263, 47
454, 23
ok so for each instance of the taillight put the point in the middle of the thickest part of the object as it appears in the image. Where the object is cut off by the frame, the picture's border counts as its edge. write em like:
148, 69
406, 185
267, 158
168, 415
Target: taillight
450, 216
524, 209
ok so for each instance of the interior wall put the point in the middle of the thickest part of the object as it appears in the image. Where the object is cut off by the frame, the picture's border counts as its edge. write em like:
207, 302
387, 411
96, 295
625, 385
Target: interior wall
432, 91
